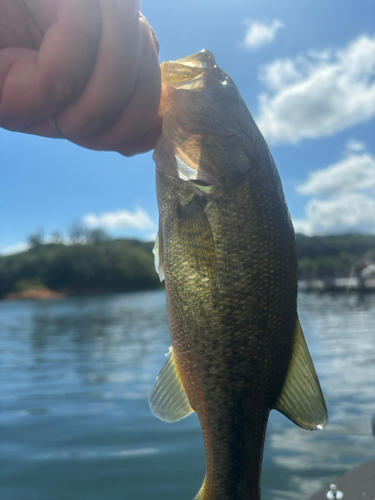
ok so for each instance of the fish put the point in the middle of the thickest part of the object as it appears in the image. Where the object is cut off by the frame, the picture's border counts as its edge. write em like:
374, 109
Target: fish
226, 250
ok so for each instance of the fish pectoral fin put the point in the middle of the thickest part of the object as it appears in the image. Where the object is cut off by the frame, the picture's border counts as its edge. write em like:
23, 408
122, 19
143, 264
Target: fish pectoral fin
168, 400
196, 237
158, 254
301, 398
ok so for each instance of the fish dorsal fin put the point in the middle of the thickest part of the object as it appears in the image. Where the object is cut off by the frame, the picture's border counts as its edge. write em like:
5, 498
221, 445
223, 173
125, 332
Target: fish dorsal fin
158, 253
301, 398
168, 400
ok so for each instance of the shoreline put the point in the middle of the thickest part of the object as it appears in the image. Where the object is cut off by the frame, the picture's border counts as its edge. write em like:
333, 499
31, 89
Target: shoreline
35, 294
48, 294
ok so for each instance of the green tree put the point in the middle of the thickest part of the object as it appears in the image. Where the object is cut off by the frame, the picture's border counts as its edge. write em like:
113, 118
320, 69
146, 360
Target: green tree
97, 236
36, 239
78, 233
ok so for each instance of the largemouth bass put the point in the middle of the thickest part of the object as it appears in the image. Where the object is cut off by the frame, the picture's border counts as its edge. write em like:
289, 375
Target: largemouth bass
227, 250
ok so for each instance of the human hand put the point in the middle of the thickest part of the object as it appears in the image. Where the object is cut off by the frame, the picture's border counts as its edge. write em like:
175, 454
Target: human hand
86, 70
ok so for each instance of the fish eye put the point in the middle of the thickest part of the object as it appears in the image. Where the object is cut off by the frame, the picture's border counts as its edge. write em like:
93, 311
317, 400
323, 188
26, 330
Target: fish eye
227, 90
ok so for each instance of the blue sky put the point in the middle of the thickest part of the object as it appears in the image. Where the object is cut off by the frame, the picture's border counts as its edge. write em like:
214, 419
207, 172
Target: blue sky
307, 73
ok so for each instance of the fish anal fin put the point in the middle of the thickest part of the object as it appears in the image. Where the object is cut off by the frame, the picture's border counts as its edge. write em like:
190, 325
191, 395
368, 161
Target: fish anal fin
158, 254
301, 398
168, 400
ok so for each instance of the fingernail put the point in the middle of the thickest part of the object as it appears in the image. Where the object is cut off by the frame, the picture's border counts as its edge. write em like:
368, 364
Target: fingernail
155, 40
135, 5
153, 34
149, 50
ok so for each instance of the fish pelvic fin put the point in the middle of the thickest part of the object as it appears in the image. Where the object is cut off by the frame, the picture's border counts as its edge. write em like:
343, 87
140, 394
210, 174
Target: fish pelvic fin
168, 400
200, 494
158, 254
301, 398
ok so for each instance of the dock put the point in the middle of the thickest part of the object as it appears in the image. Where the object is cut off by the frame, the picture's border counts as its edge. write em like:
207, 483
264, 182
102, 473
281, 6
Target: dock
353, 284
357, 484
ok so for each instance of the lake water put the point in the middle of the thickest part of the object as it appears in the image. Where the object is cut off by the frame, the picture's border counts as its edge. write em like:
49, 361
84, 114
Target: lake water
75, 423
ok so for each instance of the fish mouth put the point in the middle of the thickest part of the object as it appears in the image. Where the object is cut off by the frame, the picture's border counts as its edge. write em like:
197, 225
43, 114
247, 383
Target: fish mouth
203, 59
188, 73
194, 100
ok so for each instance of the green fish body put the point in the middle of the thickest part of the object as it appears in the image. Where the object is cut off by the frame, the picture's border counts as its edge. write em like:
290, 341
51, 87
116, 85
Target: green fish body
226, 249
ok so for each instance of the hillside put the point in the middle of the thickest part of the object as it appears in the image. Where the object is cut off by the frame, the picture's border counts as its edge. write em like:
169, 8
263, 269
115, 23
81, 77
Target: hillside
332, 256
110, 266
122, 265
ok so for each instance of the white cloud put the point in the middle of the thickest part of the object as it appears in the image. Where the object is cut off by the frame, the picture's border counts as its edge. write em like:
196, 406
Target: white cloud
318, 94
324, 55
17, 248
343, 197
354, 173
151, 236
280, 74
349, 212
354, 145
123, 219
258, 34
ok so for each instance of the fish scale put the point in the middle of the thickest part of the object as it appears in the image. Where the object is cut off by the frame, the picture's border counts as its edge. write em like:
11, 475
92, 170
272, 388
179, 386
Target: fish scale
227, 251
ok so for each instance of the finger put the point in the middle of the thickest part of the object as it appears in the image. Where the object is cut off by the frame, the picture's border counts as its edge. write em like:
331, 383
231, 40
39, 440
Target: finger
43, 14
17, 28
156, 40
147, 142
137, 127
38, 84
46, 128
140, 124
113, 76
138, 117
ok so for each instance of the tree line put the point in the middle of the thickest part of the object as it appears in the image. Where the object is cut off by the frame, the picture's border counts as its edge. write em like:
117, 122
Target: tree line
327, 257
92, 262
116, 265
